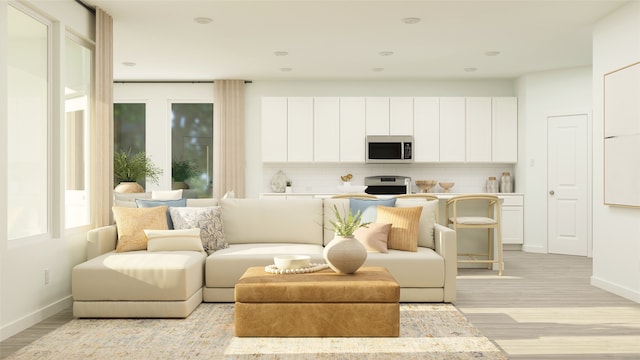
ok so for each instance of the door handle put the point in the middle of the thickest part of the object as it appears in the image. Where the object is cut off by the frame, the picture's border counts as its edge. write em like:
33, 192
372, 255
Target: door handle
552, 192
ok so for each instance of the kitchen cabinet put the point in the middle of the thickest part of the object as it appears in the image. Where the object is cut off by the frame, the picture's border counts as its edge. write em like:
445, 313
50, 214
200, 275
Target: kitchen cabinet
326, 129
452, 129
274, 129
401, 116
504, 133
478, 129
426, 129
377, 115
300, 125
512, 221
352, 129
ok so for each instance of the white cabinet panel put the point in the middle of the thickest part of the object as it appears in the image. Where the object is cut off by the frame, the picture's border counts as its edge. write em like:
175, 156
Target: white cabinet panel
326, 129
401, 116
352, 129
478, 129
426, 129
512, 221
274, 129
504, 137
377, 115
300, 129
452, 129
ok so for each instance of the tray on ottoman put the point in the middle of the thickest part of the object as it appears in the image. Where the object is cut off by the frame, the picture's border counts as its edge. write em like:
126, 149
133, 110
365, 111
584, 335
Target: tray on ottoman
322, 303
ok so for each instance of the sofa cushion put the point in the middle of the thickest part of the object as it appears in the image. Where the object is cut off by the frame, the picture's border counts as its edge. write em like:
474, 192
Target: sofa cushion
405, 223
139, 275
144, 203
427, 219
272, 221
368, 207
174, 240
374, 237
207, 219
423, 268
131, 223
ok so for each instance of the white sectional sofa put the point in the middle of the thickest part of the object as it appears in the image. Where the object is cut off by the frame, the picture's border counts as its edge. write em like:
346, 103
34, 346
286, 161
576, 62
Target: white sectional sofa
172, 283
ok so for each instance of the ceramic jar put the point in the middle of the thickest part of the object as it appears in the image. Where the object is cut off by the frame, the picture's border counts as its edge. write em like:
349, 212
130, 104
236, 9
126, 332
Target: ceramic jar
492, 185
129, 187
506, 184
345, 254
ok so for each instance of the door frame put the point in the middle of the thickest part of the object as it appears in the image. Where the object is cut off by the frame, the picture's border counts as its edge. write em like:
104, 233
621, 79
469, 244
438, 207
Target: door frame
589, 139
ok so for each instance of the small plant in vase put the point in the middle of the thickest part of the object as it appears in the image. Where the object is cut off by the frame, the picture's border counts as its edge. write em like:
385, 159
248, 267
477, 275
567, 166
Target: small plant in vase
129, 168
288, 187
182, 170
345, 254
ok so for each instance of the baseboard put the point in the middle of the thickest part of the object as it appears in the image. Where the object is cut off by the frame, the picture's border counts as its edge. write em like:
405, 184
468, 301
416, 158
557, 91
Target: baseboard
35, 317
534, 249
616, 289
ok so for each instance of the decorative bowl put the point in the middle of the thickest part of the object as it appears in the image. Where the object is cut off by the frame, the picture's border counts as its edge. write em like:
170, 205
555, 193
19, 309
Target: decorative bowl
426, 185
446, 185
292, 261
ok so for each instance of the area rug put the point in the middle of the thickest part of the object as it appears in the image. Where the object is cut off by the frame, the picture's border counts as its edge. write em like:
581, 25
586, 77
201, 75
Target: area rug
427, 331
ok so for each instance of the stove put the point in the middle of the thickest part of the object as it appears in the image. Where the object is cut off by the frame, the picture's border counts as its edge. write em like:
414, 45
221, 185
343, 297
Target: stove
387, 185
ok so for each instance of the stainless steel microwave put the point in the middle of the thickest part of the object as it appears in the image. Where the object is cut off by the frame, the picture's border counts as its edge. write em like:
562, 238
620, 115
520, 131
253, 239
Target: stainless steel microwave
382, 149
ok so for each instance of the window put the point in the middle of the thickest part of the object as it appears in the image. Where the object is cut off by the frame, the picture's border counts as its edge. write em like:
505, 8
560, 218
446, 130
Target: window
28, 126
129, 122
78, 94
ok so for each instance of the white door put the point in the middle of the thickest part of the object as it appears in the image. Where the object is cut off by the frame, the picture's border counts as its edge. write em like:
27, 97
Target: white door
567, 185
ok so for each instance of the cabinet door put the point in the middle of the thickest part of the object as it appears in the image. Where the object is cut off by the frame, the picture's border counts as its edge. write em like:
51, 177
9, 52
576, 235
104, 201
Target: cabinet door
452, 129
504, 136
352, 129
274, 129
377, 115
426, 129
512, 223
478, 128
326, 129
401, 116
300, 129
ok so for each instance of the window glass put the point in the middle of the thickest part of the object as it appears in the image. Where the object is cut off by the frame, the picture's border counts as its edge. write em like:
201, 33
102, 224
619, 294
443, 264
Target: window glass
129, 121
27, 126
192, 148
78, 85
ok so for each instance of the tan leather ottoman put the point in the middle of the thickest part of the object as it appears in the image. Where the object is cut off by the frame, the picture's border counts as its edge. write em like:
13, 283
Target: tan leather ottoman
322, 303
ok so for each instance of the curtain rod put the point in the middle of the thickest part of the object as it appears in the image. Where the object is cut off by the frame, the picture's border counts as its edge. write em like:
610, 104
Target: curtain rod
86, 6
170, 82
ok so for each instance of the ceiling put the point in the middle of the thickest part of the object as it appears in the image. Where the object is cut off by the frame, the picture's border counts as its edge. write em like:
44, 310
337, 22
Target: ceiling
348, 39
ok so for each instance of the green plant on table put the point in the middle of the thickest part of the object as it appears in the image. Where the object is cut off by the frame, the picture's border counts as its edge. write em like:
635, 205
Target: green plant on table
182, 170
129, 167
348, 224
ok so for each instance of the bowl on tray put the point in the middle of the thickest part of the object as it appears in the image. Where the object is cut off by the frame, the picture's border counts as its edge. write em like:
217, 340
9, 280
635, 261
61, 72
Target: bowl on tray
426, 186
446, 185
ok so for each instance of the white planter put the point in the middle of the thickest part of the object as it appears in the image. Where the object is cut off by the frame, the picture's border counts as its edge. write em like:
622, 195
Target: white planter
345, 254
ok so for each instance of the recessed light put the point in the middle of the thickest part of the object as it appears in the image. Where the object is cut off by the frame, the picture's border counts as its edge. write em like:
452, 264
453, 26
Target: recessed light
129, 63
385, 53
203, 20
470, 69
411, 20
377, 69
280, 53
492, 53
286, 69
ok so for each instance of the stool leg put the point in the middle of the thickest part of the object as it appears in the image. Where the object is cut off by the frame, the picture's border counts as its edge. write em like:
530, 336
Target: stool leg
490, 256
499, 230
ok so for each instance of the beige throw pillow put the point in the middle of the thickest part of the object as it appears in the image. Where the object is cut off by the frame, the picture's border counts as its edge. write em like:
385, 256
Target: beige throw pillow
131, 222
374, 237
404, 226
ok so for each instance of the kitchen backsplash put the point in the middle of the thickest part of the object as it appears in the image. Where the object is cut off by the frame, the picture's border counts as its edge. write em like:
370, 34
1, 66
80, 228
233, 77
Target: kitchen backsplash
325, 178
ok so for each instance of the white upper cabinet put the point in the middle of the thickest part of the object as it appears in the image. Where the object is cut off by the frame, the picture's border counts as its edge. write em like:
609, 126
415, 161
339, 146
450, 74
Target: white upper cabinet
377, 115
426, 129
478, 129
504, 135
352, 129
326, 129
300, 128
452, 129
274, 129
401, 116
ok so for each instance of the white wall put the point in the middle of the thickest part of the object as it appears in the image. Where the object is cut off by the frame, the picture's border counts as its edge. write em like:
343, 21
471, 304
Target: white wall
616, 236
560, 92
258, 176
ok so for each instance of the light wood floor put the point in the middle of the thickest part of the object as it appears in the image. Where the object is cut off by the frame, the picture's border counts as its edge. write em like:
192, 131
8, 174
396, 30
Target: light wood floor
542, 308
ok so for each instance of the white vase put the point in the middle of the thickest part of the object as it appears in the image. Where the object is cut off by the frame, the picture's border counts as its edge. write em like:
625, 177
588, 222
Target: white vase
345, 254
129, 187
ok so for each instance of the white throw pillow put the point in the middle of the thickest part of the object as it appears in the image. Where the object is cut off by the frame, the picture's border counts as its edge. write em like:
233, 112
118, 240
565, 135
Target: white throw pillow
427, 219
173, 240
166, 195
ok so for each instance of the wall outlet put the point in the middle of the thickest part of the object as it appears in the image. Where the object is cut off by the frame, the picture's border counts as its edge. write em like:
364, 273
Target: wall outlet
46, 276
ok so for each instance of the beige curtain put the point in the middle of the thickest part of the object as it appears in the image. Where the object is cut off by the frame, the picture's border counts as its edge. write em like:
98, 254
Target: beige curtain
228, 138
102, 125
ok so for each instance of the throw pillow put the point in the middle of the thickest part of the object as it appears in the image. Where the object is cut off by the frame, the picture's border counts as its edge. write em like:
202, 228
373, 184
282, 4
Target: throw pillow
368, 207
207, 219
166, 194
404, 226
173, 240
131, 222
427, 219
374, 237
142, 203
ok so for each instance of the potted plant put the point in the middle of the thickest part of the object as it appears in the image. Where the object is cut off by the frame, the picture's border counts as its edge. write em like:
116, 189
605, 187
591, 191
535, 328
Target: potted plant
181, 170
345, 254
129, 168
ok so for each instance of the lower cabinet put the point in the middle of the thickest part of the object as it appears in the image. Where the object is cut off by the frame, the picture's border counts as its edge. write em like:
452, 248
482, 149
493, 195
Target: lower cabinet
512, 219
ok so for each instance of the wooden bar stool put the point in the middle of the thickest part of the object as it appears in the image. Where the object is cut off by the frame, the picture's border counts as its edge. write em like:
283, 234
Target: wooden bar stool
460, 219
